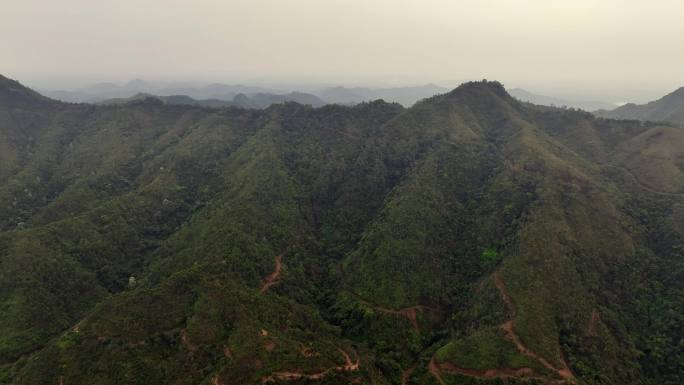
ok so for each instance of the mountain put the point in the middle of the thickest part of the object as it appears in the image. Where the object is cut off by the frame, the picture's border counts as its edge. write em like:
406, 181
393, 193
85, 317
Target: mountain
542, 100
259, 97
225, 91
181, 100
406, 96
263, 100
14, 95
186, 100
258, 101
471, 238
106, 91
669, 108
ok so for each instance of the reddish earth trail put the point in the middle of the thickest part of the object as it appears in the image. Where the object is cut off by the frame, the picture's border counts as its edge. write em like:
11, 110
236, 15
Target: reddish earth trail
509, 329
410, 313
274, 277
564, 372
593, 323
490, 373
498, 282
348, 366
406, 374
501, 373
435, 372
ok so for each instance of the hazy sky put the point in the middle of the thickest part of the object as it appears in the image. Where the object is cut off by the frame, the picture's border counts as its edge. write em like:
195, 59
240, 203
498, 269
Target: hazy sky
603, 48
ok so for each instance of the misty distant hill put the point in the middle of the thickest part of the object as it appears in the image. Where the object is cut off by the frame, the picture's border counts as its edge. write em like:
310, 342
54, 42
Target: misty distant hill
216, 91
255, 101
239, 95
406, 96
263, 100
178, 100
669, 108
543, 100
106, 91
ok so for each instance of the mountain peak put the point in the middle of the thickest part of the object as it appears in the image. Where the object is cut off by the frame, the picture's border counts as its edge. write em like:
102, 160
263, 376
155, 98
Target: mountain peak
7, 83
474, 92
479, 87
15, 95
678, 93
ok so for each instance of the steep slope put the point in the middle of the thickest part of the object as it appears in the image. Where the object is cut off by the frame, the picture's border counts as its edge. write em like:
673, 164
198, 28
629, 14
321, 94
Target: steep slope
669, 108
14, 95
471, 238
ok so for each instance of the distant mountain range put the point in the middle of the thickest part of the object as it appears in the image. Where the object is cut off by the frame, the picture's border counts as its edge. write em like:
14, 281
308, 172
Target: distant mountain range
244, 96
105, 91
405, 96
669, 108
216, 95
258, 101
543, 100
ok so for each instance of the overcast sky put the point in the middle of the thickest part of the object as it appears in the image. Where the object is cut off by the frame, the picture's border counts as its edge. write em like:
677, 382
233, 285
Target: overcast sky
602, 48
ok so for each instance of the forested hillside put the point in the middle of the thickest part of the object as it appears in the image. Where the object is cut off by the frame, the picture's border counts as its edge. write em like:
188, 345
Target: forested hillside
669, 108
469, 239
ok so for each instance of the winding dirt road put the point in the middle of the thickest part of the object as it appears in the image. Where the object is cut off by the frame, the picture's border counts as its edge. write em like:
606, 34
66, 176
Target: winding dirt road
273, 278
348, 366
508, 327
592, 327
500, 373
410, 313
434, 369
406, 374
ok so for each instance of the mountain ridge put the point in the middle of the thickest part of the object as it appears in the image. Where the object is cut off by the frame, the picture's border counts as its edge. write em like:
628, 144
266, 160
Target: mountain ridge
669, 108
469, 234
587, 105
14, 94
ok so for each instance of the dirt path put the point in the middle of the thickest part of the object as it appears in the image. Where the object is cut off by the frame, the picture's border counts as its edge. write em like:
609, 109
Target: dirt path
508, 327
348, 366
406, 374
410, 313
274, 277
592, 327
500, 373
503, 292
435, 372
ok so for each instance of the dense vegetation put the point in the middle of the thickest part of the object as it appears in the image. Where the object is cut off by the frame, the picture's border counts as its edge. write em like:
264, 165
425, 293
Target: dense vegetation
469, 239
